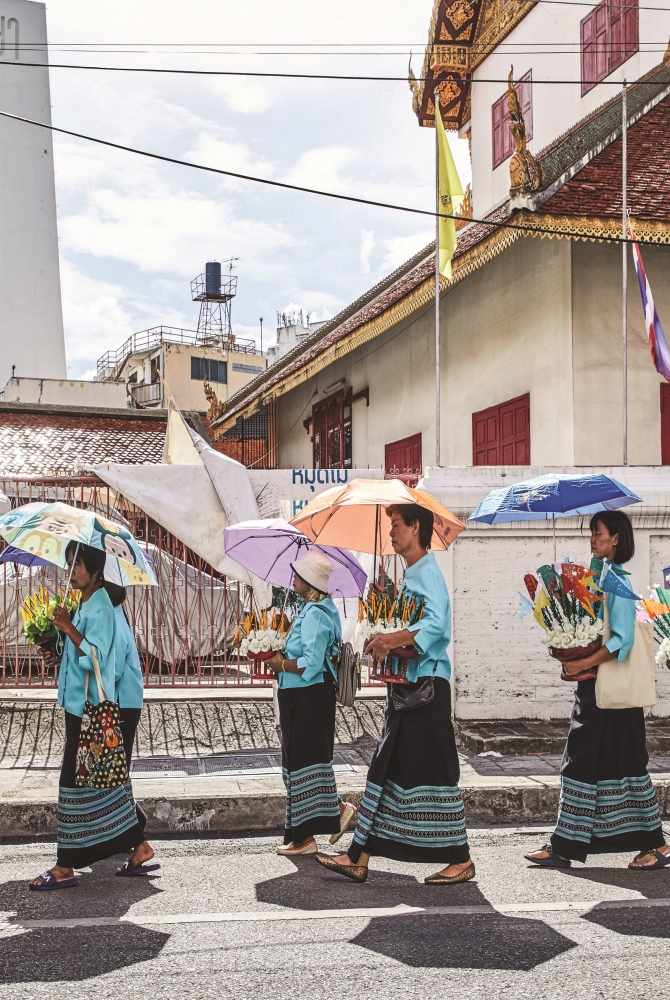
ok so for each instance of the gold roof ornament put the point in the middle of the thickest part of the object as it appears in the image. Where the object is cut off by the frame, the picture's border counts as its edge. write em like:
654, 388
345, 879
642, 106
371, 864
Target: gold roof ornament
216, 407
525, 173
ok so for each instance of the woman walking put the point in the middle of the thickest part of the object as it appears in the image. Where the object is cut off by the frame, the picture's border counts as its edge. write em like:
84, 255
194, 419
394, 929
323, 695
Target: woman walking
607, 802
412, 808
129, 693
307, 713
93, 823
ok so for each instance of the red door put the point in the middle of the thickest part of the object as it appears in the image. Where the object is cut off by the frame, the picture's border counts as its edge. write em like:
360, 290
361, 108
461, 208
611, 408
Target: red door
665, 423
501, 434
403, 458
327, 432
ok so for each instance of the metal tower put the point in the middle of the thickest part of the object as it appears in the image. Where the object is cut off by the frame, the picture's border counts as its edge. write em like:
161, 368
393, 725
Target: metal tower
215, 294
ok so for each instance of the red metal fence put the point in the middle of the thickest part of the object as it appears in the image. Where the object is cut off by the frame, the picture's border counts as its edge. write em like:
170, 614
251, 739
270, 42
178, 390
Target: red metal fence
183, 628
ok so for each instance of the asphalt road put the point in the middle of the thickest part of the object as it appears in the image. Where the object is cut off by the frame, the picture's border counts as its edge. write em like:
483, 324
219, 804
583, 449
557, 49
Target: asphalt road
231, 919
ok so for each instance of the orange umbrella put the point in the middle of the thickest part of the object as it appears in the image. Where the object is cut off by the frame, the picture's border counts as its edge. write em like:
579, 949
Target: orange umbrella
354, 516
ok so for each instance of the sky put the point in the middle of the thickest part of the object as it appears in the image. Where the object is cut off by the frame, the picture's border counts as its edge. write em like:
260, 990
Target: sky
134, 232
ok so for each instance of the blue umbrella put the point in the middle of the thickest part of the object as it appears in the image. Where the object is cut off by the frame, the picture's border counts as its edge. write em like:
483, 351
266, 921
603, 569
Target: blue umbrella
12, 554
546, 497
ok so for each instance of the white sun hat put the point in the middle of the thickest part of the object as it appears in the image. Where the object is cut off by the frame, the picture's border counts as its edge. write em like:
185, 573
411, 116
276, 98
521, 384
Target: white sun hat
315, 569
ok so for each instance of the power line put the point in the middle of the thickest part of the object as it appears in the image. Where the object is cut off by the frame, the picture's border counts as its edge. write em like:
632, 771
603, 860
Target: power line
463, 78
306, 190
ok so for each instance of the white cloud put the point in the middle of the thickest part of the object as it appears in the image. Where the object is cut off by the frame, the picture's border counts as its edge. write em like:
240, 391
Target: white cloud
320, 168
367, 246
400, 248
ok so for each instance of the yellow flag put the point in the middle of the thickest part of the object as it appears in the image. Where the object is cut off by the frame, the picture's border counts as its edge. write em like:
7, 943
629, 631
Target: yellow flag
541, 601
450, 195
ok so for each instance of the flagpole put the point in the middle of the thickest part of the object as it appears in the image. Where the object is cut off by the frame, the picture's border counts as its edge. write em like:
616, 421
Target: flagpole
438, 461
624, 261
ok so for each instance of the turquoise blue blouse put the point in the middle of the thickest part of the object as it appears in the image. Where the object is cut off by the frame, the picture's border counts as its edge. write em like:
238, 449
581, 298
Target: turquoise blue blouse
622, 621
310, 640
128, 672
432, 634
94, 620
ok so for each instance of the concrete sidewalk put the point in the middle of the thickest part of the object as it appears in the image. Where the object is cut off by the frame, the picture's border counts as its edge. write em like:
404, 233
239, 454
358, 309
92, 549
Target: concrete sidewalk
240, 804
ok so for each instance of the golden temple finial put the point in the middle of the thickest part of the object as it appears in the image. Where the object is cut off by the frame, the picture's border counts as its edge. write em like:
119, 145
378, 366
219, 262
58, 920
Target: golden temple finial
464, 214
525, 173
215, 405
666, 55
414, 87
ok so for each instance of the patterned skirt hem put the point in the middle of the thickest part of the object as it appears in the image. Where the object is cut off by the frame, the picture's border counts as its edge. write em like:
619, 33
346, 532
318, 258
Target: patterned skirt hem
380, 847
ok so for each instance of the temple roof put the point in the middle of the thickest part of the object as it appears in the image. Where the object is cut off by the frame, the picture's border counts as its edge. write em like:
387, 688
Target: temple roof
580, 199
462, 34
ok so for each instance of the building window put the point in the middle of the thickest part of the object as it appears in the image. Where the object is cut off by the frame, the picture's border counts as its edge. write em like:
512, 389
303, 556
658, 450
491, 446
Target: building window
210, 369
403, 458
609, 36
331, 432
665, 423
503, 143
501, 434
248, 441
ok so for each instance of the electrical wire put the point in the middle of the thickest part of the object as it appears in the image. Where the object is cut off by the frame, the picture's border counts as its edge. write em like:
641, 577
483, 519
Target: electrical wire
306, 190
462, 78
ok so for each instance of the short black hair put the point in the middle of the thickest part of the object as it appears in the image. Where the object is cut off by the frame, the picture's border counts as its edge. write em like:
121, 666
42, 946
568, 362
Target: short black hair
94, 560
617, 523
411, 512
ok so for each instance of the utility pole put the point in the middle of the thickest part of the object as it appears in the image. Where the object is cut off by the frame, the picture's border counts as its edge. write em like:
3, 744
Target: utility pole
438, 461
261, 334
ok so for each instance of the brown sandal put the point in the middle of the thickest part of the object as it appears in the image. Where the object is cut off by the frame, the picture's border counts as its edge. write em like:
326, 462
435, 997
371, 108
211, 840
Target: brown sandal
439, 879
357, 873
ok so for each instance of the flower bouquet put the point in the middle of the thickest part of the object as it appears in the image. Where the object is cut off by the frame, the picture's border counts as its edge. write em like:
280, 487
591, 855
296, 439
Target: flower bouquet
259, 640
657, 609
37, 612
561, 600
379, 614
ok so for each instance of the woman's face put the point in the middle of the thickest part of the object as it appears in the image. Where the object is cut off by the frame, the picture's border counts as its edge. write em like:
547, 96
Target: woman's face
603, 545
81, 578
301, 588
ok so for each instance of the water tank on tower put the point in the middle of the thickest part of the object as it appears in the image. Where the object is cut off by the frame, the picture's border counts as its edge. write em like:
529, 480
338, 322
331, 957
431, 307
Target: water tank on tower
215, 291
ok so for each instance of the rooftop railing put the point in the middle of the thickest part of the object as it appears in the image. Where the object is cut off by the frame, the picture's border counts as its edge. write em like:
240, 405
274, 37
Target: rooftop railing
111, 364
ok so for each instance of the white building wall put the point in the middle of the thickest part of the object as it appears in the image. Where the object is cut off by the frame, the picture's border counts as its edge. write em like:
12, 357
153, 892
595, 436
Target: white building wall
66, 392
501, 668
555, 29
31, 331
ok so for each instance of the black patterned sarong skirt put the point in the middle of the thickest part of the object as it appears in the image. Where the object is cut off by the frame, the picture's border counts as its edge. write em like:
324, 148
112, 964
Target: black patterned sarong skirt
412, 808
307, 717
607, 800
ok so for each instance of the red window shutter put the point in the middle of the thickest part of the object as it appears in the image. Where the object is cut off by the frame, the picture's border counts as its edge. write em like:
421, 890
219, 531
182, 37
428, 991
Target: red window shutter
631, 28
497, 134
665, 423
501, 434
601, 46
615, 36
588, 34
525, 92
404, 457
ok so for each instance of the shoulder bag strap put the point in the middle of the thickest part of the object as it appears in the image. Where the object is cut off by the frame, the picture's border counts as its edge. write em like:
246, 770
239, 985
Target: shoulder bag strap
98, 676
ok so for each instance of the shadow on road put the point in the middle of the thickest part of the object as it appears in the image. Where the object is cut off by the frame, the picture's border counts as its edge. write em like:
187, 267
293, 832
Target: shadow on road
71, 954
431, 940
464, 941
632, 921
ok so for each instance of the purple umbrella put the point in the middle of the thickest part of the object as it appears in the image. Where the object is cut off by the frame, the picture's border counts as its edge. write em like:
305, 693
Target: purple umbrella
12, 554
268, 548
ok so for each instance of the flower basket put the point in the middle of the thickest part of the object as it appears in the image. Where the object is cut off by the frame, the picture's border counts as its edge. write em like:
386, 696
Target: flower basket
258, 668
393, 669
576, 652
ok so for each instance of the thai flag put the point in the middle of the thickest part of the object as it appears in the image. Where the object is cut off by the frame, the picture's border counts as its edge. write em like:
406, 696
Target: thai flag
660, 351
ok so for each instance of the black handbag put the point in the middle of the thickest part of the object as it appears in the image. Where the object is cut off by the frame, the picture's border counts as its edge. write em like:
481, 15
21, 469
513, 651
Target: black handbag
404, 698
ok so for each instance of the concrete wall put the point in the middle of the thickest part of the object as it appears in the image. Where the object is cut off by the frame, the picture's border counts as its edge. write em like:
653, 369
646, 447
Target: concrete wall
555, 108
31, 335
65, 392
189, 392
598, 355
501, 667
506, 330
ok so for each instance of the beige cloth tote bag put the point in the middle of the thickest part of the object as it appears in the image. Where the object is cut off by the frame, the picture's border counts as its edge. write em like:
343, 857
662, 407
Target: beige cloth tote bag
629, 683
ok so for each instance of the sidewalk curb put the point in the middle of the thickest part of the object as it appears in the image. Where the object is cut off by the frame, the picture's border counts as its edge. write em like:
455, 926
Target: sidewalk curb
487, 805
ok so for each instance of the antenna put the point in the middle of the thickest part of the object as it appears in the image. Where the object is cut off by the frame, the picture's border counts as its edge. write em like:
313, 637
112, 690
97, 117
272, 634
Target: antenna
215, 295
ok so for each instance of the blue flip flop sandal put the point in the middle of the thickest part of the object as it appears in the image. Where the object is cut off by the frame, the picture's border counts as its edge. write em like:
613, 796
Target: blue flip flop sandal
49, 881
128, 868
553, 861
661, 861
